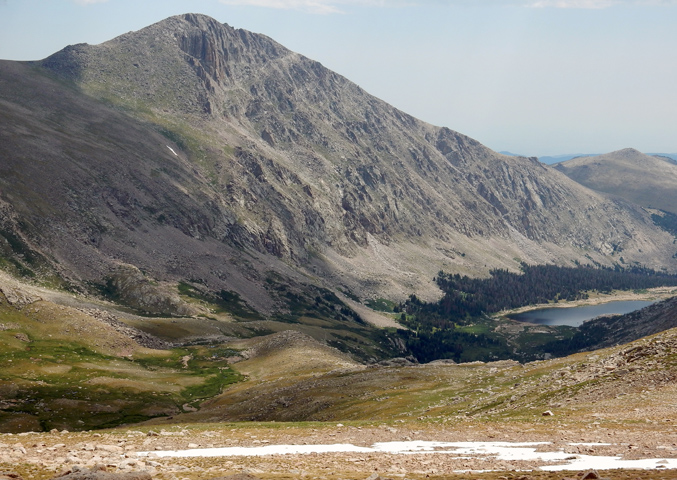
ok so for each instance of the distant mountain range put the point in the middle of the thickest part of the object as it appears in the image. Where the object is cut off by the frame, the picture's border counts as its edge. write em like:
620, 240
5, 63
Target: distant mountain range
191, 154
551, 159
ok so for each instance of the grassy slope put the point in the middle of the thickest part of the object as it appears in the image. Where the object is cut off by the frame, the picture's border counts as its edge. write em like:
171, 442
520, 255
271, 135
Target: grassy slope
63, 369
613, 380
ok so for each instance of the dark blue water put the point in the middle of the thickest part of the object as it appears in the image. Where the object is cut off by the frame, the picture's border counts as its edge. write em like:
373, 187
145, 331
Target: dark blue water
574, 316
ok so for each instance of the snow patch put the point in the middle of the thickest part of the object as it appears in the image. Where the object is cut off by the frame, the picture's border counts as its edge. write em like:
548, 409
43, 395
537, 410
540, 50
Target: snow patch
172, 150
506, 451
260, 451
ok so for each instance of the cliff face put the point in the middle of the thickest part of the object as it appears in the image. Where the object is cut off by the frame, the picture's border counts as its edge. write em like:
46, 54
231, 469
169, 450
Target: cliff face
204, 152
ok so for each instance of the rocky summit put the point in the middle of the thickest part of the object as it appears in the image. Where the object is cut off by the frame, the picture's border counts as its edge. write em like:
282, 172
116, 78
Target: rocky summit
190, 151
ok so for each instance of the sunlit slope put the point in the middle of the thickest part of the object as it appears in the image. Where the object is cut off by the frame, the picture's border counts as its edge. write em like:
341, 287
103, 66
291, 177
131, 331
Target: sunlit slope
610, 383
75, 368
643, 179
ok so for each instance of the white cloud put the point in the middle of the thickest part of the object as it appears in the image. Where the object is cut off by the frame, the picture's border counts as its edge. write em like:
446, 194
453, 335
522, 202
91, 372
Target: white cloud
336, 6
573, 3
89, 2
596, 4
314, 6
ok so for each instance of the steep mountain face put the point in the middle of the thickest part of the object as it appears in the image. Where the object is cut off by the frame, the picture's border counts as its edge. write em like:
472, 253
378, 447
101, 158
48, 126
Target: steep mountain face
649, 181
201, 153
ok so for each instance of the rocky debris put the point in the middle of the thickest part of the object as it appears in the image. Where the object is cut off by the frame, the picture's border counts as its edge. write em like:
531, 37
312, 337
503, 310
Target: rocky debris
135, 290
444, 361
10, 476
644, 365
590, 475
99, 472
142, 338
22, 337
84, 458
17, 296
398, 362
238, 476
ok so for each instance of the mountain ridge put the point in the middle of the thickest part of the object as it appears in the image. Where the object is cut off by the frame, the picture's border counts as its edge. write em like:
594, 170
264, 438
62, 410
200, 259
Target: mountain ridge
275, 156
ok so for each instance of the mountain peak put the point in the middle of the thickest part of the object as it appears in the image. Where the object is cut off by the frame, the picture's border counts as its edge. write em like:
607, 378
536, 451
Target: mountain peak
175, 65
199, 20
626, 152
273, 153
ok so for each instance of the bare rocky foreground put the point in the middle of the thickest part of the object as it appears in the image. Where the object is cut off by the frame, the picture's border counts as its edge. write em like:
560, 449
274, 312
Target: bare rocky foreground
48, 455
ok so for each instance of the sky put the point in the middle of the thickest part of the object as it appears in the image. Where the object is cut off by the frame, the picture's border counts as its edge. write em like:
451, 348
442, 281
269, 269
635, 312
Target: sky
533, 77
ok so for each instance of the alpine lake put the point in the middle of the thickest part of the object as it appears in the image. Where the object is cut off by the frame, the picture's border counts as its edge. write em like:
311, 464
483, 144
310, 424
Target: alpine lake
575, 316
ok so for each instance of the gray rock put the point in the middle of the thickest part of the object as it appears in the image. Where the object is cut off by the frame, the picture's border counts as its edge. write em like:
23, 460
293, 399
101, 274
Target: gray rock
99, 473
237, 476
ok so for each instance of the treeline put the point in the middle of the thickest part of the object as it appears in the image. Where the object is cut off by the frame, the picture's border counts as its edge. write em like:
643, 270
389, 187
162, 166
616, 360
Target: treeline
588, 334
466, 297
430, 343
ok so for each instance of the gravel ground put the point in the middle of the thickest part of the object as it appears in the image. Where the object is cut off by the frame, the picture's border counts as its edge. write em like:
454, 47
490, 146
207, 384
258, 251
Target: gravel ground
43, 455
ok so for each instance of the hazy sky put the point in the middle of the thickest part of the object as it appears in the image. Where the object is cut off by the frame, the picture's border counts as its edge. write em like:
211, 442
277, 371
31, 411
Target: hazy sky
535, 77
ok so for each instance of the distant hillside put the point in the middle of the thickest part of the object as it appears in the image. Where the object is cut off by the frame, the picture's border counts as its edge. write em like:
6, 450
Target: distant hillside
549, 160
642, 179
552, 159
671, 157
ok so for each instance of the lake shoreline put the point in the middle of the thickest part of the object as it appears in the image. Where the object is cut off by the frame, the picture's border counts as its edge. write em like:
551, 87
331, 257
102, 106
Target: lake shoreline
658, 293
